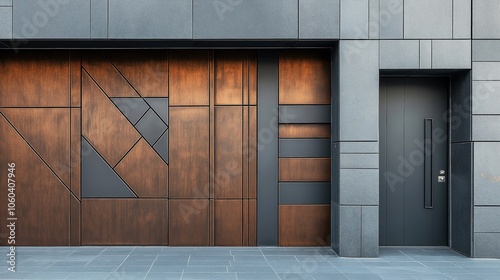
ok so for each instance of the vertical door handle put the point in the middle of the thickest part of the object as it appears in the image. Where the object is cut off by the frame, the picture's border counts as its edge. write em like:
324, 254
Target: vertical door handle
428, 184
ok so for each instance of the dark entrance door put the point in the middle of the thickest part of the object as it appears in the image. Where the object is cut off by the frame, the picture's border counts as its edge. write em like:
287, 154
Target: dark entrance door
413, 161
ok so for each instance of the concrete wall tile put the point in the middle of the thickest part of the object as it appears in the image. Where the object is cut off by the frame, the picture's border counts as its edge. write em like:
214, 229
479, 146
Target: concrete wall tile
425, 54
485, 128
51, 19
399, 54
150, 19
428, 19
485, 19
350, 231
485, 50
374, 19
5, 22
6, 3
369, 231
391, 19
319, 19
486, 219
99, 19
462, 21
487, 170
487, 245
451, 54
359, 147
354, 19
359, 90
359, 187
486, 97
359, 161
486, 71
256, 19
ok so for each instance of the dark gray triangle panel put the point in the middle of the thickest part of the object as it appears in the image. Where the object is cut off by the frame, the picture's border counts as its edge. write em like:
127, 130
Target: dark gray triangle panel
132, 108
160, 106
98, 178
161, 146
151, 127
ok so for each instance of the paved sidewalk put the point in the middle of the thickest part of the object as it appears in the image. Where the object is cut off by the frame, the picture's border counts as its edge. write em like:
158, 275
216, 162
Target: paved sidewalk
242, 263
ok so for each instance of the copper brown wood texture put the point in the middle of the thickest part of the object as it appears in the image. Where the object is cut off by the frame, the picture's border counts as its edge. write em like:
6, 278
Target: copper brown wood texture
304, 131
146, 182
189, 152
304, 225
35, 79
47, 132
103, 125
189, 78
234, 148
304, 77
112, 83
146, 71
189, 222
304, 169
125, 221
42, 201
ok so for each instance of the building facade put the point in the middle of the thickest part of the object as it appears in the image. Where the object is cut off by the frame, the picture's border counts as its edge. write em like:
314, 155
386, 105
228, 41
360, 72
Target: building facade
345, 123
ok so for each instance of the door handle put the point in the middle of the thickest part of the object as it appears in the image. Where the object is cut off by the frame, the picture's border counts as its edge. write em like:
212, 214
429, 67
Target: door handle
428, 183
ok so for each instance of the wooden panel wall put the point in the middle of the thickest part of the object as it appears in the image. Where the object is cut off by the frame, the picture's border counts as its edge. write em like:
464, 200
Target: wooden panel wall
304, 79
203, 192
39, 111
235, 136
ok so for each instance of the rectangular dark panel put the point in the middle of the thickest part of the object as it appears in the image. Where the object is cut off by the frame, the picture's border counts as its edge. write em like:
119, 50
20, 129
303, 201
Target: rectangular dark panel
124, 222
460, 121
461, 197
228, 222
304, 169
229, 77
391, 147
304, 77
304, 193
305, 114
300, 148
189, 78
28, 81
189, 222
228, 152
267, 212
304, 225
189, 152
304, 131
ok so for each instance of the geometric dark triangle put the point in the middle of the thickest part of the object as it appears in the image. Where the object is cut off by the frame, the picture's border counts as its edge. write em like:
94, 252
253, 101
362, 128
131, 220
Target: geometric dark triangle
160, 106
98, 178
151, 127
131, 108
161, 146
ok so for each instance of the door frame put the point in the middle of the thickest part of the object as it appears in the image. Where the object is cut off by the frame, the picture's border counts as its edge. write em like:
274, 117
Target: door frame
448, 144
459, 131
